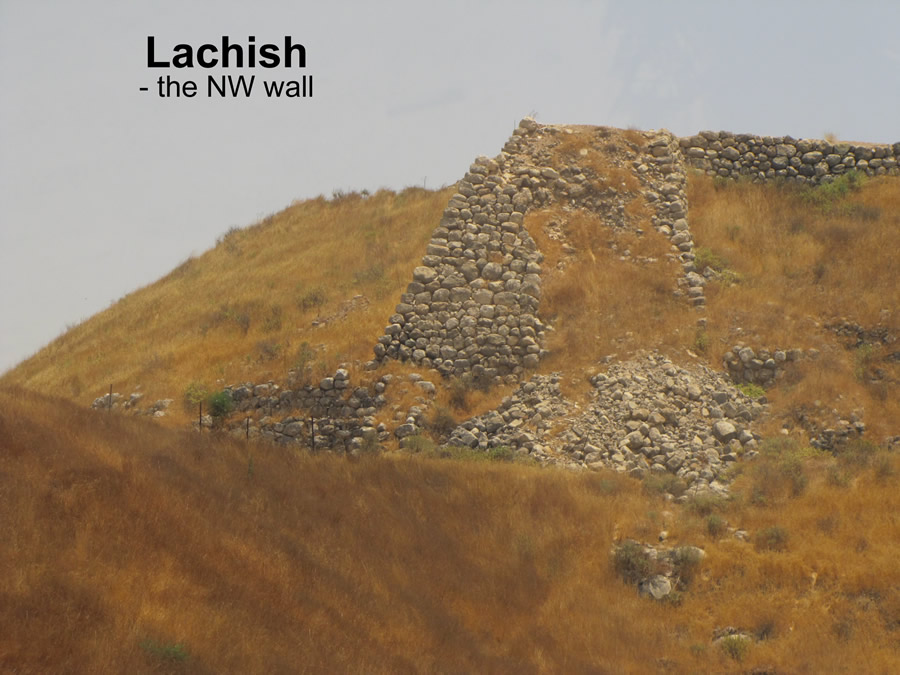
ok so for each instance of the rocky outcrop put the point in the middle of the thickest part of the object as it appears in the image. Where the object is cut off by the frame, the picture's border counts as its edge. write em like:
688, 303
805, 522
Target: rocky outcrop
646, 416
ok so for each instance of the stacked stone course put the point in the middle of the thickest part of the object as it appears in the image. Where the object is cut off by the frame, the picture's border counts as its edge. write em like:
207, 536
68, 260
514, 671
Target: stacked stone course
722, 153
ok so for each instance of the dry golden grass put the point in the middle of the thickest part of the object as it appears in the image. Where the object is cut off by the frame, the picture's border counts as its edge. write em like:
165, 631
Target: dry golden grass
121, 534
242, 311
600, 304
803, 261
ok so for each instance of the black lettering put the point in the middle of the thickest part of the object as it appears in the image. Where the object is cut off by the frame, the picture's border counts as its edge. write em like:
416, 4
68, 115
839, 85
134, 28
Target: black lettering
273, 88
268, 56
290, 48
151, 57
201, 58
183, 56
227, 49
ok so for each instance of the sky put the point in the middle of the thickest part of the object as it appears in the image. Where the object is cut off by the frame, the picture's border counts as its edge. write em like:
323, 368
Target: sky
105, 188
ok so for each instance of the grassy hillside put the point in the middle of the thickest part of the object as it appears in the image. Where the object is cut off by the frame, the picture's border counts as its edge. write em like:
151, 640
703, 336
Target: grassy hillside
244, 310
132, 548
286, 291
135, 546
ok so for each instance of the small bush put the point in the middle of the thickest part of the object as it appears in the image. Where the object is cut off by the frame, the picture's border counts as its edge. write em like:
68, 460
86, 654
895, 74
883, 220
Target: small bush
779, 473
773, 538
268, 350
687, 562
705, 503
701, 341
418, 444
664, 483
220, 404
751, 390
442, 421
631, 562
857, 453
314, 298
735, 646
459, 393
704, 258
715, 525
194, 394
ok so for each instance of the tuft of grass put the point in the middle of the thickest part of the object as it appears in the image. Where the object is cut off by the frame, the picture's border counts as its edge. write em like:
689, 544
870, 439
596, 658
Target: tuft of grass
774, 538
715, 525
171, 652
664, 483
735, 647
751, 390
418, 443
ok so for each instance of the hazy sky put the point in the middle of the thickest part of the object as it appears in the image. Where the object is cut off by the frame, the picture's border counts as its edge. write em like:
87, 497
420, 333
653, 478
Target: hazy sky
104, 188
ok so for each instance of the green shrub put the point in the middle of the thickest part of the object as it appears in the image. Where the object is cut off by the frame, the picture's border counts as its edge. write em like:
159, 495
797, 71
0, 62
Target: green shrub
773, 538
194, 394
631, 562
220, 404
704, 258
701, 341
831, 197
751, 390
501, 453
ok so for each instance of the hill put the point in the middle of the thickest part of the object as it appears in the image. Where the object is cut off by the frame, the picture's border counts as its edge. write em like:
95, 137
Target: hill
134, 548
713, 315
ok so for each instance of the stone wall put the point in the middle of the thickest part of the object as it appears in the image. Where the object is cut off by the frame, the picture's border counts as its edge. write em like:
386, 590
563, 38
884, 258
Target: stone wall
761, 367
472, 303
722, 153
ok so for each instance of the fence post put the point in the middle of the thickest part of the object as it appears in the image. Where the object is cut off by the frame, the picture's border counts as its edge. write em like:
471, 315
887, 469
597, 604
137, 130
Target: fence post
312, 431
248, 428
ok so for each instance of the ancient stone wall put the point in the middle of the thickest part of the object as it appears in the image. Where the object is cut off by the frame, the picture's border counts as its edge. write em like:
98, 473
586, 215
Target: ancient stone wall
722, 153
